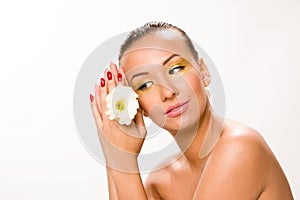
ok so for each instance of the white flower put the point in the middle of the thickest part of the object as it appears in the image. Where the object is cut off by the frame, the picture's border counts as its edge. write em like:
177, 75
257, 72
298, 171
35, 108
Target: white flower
122, 104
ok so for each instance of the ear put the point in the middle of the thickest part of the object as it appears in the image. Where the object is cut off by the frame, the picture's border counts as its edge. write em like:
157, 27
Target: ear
204, 73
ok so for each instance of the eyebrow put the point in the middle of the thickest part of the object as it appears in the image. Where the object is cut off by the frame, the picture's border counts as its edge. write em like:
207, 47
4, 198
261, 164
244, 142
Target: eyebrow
169, 58
139, 74
163, 63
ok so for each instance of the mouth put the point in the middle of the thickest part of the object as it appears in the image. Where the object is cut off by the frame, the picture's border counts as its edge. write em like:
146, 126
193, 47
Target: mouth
177, 109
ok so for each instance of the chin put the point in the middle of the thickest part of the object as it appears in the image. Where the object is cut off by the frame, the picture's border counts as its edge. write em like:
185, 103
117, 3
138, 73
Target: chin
185, 122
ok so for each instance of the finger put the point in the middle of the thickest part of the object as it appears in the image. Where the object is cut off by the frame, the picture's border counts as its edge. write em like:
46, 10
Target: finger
103, 94
139, 122
97, 94
110, 81
96, 113
118, 76
138, 119
114, 71
124, 79
105, 76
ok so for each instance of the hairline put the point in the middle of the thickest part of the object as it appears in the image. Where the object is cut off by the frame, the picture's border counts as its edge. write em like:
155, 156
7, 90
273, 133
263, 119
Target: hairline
186, 40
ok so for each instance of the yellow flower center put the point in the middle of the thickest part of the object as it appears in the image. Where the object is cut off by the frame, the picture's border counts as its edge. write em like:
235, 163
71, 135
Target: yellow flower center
120, 105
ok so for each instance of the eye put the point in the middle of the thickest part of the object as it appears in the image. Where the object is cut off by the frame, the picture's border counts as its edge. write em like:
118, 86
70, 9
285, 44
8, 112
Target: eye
145, 85
176, 69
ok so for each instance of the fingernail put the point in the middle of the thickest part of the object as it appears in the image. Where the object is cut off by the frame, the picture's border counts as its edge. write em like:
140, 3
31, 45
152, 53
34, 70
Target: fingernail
91, 98
119, 77
102, 82
109, 75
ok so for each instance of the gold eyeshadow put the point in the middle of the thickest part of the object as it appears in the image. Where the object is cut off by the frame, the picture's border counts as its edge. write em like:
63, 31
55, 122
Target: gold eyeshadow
177, 62
140, 83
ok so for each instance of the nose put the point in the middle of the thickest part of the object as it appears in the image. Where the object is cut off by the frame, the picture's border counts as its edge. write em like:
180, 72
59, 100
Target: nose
168, 92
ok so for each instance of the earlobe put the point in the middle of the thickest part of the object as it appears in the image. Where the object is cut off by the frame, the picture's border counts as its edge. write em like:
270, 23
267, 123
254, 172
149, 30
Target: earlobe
206, 81
204, 73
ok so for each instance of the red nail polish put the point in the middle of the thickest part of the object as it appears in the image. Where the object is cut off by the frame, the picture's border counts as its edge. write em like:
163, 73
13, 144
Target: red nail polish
119, 77
109, 75
91, 98
102, 82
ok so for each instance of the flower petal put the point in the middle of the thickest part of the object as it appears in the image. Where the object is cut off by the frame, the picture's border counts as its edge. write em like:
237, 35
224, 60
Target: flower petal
122, 104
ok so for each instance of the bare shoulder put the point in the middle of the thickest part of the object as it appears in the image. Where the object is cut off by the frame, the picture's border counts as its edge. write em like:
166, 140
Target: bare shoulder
242, 148
246, 143
242, 139
243, 160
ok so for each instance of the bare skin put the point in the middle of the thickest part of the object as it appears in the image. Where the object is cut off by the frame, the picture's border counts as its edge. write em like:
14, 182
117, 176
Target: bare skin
225, 159
241, 166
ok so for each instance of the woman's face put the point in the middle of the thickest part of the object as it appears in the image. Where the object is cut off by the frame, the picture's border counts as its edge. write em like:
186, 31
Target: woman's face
162, 71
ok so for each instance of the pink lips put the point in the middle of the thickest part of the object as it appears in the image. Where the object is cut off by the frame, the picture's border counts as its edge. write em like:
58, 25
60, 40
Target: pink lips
177, 109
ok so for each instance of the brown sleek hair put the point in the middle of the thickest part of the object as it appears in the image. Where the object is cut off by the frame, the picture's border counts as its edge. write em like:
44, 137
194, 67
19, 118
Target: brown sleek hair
152, 27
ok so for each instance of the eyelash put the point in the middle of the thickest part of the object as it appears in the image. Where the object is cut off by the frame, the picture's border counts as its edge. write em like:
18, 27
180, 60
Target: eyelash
172, 71
145, 85
180, 67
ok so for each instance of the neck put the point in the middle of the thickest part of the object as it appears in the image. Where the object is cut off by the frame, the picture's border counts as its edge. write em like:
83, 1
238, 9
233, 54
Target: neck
198, 141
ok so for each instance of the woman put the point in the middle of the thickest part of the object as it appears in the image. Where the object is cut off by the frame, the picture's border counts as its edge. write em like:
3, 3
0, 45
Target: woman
220, 159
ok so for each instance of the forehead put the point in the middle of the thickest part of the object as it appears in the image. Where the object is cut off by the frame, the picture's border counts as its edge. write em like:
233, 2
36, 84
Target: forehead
154, 49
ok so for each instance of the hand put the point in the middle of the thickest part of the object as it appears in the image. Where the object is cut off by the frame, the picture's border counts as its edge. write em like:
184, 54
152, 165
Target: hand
121, 144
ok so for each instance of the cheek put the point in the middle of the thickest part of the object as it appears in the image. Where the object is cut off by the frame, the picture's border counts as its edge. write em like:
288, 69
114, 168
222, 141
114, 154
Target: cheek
194, 81
148, 98
146, 101
196, 84
151, 104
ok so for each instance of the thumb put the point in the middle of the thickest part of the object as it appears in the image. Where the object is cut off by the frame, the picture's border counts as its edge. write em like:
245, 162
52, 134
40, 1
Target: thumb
138, 119
139, 122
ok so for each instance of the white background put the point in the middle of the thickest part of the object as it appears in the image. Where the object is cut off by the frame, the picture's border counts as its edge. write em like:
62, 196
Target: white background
254, 44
